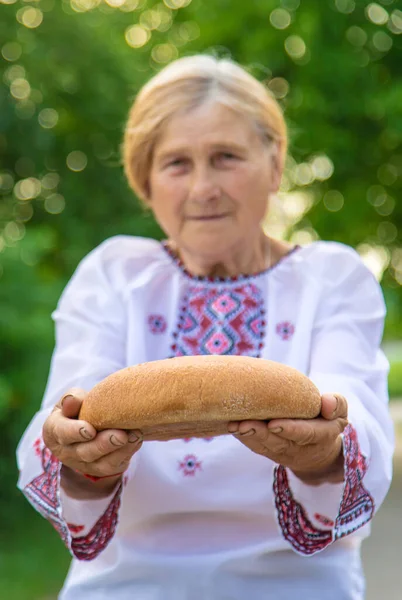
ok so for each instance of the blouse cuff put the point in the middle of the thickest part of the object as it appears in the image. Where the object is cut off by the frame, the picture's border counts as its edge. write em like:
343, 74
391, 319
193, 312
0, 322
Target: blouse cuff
311, 533
86, 527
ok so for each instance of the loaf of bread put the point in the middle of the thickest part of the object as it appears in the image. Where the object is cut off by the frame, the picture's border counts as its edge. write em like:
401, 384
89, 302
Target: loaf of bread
196, 396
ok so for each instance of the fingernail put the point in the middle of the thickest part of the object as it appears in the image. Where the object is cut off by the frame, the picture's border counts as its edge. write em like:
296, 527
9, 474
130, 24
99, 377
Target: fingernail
64, 397
248, 433
133, 437
233, 430
85, 434
336, 405
115, 441
275, 429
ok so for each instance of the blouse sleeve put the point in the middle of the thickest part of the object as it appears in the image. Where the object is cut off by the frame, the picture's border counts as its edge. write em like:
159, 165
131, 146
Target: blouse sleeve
345, 358
90, 344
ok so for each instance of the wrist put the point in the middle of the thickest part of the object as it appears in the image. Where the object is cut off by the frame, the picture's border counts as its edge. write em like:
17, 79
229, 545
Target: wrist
76, 485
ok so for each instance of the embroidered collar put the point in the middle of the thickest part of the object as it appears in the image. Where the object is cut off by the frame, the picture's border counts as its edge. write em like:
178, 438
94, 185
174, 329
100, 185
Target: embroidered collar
229, 279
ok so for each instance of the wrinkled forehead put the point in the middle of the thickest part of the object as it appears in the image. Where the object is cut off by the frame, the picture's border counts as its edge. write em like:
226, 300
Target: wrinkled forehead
209, 124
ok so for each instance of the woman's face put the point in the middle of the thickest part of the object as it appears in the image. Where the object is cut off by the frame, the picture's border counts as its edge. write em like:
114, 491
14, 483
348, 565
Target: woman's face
210, 180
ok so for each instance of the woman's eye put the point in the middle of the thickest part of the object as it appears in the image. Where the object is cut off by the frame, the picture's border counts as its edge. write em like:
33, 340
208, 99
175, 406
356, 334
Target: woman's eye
177, 162
226, 155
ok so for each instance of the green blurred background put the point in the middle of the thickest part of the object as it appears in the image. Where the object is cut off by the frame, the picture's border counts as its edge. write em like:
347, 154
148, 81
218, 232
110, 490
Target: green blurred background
70, 70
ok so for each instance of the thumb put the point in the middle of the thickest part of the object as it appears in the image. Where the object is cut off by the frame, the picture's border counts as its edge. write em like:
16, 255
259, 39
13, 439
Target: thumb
334, 406
71, 403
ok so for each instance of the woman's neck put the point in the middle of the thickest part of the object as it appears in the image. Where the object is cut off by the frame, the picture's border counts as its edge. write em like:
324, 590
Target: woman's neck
253, 259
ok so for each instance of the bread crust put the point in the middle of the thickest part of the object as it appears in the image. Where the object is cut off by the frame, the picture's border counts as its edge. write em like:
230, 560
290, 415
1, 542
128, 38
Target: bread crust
196, 396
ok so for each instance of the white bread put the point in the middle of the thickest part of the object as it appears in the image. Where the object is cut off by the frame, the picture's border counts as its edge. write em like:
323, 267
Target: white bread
196, 396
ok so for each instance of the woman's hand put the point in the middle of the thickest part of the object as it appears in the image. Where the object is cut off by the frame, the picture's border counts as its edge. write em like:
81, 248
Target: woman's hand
312, 449
83, 450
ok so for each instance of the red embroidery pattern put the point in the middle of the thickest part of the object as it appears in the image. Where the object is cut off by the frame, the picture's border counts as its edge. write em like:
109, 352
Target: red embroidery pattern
75, 528
157, 324
285, 330
88, 547
42, 492
190, 465
324, 520
221, 320
357, 505
38, 447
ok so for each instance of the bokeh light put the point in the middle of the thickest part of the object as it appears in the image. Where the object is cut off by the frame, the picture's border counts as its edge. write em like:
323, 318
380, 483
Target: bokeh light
13, 232
376, 258
50, 181
77, 161
150, 19
48, 118
27, 189
322, 167
387, 207
304, 236
345, 6
137, 36
303, 174
356, 36
279, 87
11, 51
84, 5
395, 22
13, 72
387, 174
280, 18
164, 53
333, 200
115, 3
376, 195
55, 204
295, 46
396, 263
377, 14
20, 88
176, 4
382, 41
6, 182
165, 17
23, 211
130, 5
30, 17
387, 232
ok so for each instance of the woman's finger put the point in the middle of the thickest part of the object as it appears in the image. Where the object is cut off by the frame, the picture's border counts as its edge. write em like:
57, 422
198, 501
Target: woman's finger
303, 432
70, 403
334, 406
63, 424
69, 431
118, 460
256, 436
105, 443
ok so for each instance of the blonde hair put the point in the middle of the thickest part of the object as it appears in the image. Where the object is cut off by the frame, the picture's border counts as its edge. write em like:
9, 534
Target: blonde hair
185, 84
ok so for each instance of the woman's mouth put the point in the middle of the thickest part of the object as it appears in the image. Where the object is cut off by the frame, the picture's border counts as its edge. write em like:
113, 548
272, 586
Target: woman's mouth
208, 217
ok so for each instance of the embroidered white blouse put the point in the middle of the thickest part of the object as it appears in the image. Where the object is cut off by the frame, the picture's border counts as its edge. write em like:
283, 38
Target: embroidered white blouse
208, 518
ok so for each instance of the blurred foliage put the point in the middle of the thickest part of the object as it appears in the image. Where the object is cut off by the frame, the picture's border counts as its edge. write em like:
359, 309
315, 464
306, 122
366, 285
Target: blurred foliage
69, 72
395, 380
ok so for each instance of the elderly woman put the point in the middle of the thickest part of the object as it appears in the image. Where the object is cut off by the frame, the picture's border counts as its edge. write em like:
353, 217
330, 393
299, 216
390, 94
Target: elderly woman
234, 516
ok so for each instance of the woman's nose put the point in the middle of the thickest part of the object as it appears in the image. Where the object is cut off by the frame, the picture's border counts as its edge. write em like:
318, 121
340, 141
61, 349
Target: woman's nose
204, 187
